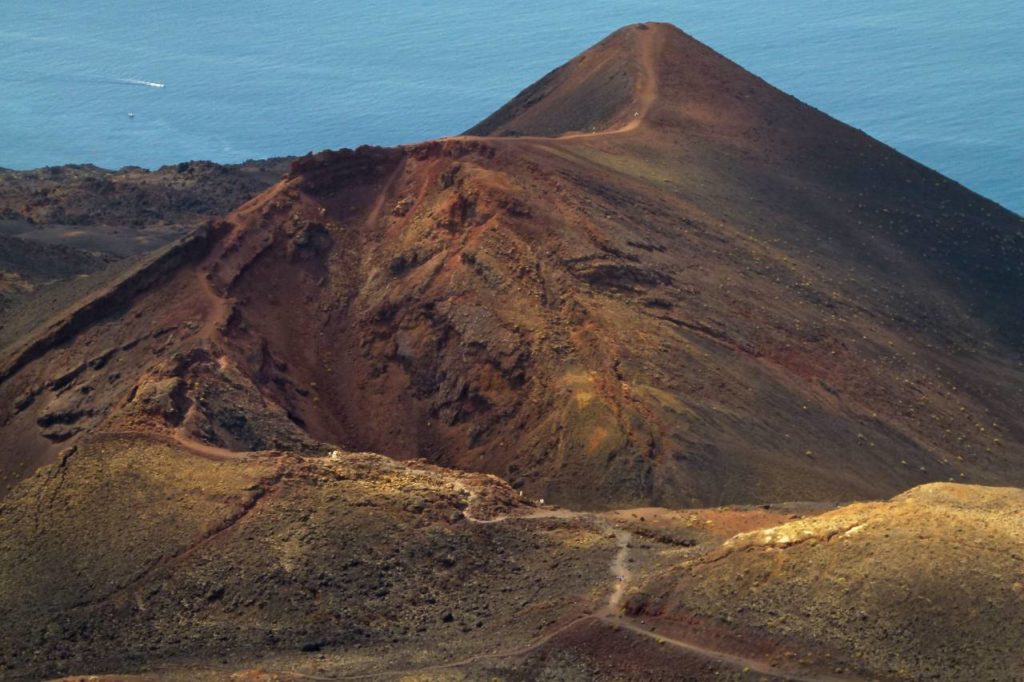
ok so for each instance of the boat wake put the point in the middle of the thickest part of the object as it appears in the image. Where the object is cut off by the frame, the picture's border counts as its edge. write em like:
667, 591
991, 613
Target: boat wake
133, 81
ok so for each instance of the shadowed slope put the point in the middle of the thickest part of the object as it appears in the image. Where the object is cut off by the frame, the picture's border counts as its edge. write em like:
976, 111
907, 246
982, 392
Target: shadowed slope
595, 91
925, 586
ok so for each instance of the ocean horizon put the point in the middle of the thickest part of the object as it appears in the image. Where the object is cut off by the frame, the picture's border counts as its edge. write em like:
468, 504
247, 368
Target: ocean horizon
147, 84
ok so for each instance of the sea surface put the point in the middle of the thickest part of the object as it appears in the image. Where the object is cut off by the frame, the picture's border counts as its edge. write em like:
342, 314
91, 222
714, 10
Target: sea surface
940, 80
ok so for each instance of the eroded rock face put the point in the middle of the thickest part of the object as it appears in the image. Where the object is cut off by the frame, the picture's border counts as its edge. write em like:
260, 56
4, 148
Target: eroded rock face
596, 340
163, 398
723, 296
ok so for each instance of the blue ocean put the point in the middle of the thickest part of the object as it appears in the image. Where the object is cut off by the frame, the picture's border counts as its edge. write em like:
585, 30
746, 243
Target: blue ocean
147, 82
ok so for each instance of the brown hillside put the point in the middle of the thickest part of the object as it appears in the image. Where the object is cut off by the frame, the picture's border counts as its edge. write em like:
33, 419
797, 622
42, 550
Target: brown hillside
728, 297
651, 279
154, 556
925, 586
145, 558
595, 91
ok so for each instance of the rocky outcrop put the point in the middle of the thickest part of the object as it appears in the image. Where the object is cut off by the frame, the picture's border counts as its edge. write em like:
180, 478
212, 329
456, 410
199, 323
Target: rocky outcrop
873, 588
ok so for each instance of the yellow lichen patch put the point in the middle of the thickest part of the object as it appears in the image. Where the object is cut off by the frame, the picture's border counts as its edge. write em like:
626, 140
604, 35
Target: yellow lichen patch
581, 387
844, 523
598, 435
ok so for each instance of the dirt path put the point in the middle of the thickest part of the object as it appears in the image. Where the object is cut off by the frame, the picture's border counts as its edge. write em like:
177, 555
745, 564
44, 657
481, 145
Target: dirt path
219, 307
742, 662
620, 572
204, 449
183, 441
378, 205
610, 614
646, 96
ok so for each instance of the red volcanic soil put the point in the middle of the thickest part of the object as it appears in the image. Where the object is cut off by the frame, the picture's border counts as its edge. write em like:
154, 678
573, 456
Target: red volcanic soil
650, 281
701, 291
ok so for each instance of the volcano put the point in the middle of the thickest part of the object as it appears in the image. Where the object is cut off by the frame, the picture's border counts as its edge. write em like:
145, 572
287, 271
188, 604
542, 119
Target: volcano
650, 279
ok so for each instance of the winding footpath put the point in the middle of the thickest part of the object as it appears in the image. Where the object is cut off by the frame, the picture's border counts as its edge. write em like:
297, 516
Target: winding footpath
610, 614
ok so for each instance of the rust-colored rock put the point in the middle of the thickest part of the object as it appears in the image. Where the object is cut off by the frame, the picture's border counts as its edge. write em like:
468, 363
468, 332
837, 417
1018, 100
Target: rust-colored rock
712, 294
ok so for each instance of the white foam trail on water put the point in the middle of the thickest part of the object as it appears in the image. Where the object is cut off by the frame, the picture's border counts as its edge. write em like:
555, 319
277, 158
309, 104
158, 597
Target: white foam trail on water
133, 81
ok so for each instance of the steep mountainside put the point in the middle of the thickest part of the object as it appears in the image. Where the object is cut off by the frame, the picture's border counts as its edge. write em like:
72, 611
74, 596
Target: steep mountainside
724, 296
597, 90
650, 279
